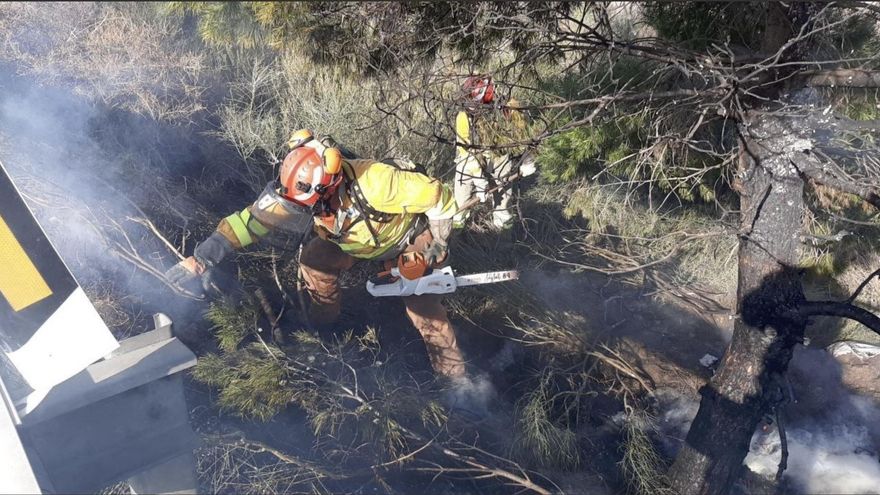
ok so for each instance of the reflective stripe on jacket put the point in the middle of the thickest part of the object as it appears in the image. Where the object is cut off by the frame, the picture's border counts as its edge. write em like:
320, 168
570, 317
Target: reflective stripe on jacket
241, 229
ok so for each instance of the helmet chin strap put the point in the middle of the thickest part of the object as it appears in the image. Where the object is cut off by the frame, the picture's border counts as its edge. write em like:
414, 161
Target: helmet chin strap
329, 202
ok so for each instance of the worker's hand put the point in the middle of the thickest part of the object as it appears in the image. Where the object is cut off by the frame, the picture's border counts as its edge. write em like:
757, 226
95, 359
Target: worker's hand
436, 252
528, 166
185, 271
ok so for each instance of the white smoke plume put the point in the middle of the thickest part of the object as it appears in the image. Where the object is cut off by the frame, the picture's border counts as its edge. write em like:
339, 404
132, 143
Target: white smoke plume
81, 165
832, 433
837, 458
473, 394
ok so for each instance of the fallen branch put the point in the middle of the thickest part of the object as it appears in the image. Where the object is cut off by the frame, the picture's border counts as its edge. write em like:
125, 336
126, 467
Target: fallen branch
841, 78
816, 172
129, 252
152, 227
238, 440
473, 465
617, 362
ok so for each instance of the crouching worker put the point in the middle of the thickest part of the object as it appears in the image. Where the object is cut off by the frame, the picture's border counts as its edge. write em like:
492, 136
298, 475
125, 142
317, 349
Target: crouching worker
360, 210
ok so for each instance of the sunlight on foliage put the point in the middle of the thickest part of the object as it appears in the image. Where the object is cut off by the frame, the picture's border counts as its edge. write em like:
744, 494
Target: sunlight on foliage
232, 323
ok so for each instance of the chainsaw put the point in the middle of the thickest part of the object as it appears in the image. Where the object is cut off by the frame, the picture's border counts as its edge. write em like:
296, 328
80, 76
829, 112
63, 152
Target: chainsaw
413, 276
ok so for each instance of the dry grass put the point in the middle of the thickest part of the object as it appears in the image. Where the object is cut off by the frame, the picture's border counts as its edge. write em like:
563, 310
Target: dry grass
125, 56
643, 469
271, 98
686, 244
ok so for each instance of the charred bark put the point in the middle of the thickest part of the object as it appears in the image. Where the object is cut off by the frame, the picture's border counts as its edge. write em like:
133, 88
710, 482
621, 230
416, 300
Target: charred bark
771, 192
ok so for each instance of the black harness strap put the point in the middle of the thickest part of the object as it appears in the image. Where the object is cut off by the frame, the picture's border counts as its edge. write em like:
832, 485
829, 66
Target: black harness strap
369, 214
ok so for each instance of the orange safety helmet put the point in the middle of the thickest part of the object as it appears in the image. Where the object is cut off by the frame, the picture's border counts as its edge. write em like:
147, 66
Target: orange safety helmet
479, 89
311, 171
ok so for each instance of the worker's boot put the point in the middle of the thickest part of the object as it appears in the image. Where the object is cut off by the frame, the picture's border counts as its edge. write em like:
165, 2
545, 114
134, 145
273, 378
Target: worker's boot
502, 219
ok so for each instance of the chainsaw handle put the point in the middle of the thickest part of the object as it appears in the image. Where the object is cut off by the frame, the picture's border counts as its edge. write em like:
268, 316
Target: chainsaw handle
412, 265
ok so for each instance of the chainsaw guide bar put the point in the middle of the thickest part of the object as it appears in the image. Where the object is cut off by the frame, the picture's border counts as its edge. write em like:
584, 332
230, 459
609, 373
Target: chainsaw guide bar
438, 281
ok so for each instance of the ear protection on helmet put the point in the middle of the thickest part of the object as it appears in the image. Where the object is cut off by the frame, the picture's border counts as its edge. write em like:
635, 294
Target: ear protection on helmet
331, 158
299, 138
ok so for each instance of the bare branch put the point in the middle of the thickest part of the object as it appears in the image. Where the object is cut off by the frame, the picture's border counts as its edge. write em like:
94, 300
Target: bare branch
841, 309
818, 174
841, 78
862, 286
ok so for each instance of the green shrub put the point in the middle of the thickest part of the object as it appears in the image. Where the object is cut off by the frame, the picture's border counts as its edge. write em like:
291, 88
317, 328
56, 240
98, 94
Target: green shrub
232, 323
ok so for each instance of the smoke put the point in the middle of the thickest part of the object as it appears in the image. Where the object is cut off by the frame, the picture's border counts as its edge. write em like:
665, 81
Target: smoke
832, 433
676, 413
473, 394
44, 149
836, 458
86, 171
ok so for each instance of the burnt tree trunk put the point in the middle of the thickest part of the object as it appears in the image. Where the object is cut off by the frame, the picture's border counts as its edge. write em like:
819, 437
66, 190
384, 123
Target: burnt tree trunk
771, 200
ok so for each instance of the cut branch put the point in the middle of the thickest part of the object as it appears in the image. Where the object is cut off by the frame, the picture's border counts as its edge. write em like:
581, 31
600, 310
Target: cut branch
820, 176
841, 309
862, 286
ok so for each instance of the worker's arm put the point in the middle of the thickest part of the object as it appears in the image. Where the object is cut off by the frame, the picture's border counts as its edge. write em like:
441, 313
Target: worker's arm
234, 232
422, 194
462, 135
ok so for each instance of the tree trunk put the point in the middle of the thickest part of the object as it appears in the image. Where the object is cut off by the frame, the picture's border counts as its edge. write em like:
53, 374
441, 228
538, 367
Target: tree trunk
771, 201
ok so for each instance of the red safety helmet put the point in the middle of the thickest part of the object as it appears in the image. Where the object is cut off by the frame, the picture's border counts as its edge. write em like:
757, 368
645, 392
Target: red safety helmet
307, 176
479, 89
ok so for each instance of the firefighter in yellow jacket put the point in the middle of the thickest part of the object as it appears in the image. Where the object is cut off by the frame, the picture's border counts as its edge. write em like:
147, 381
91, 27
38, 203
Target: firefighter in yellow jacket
488, 122
360, 210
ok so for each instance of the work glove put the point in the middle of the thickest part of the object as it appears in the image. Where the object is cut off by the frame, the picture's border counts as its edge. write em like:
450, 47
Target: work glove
528, 166
200, 266
184, 271
435, 253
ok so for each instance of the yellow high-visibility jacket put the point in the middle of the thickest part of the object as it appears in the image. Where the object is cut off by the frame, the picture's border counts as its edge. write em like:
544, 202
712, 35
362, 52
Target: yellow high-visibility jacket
492, 128
395, 197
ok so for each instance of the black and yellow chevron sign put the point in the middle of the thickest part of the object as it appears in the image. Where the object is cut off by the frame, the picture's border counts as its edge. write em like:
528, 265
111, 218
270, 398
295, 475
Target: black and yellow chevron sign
49, 330
34, 281
20, 282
